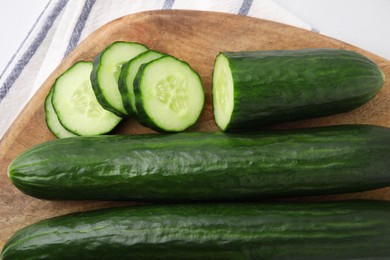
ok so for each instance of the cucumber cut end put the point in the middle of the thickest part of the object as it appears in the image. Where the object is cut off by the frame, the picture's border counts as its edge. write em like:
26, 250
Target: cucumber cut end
383, 76
223, 92
172, 94
76, 105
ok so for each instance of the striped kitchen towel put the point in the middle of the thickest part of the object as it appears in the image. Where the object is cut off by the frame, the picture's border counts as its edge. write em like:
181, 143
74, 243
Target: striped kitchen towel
64, 23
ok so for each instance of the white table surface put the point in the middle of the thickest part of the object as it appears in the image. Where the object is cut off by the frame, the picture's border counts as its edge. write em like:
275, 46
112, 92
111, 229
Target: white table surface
363, 23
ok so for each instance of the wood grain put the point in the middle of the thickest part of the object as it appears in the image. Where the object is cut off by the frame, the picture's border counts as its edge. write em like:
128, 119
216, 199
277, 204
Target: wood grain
195, 37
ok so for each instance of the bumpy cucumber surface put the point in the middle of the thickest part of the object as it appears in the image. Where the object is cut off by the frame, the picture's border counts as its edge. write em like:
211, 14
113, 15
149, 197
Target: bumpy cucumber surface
327, 230
207, 166
169, 95
256, 88
106, 69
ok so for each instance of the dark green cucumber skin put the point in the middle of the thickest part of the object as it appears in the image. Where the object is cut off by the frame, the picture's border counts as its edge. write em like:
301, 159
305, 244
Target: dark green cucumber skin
96, 85
123, 89
97, 88
277, 86
207, 166
142, 116
316, 230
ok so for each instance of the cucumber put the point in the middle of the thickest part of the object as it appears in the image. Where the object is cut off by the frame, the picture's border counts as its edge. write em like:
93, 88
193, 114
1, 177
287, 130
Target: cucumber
169, 95
256, 88
106, 69
75, 103
52, 121
127, 75
315, 230
192, 166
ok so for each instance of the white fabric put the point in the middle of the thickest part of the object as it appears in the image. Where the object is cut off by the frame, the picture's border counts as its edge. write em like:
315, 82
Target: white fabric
67, 22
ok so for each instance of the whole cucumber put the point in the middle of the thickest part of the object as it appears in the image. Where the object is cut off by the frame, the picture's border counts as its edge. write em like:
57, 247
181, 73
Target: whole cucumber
327, 230
207, 166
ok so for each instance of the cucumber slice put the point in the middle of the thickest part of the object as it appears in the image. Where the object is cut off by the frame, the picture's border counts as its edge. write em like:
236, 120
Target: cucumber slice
223, 97
52, 121
168, 94
75, 103
126, 78
106, 69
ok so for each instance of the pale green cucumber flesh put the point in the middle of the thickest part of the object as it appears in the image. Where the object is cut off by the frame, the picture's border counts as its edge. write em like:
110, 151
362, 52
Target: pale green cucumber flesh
169, 94
76, 105
223, 92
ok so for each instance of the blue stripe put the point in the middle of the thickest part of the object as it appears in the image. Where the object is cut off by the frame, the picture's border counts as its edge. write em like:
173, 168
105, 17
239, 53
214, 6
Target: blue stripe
78, 29
24, 40
26, 57
168, 4
245, 7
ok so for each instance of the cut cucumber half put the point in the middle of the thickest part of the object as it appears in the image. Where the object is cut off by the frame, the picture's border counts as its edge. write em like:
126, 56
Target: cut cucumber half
106, 69
252, 89
126, 78
75, 103
52, 121
223, 92
168, 94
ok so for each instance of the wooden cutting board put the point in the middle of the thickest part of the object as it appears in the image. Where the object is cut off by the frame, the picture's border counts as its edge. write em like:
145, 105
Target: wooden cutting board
195, 37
